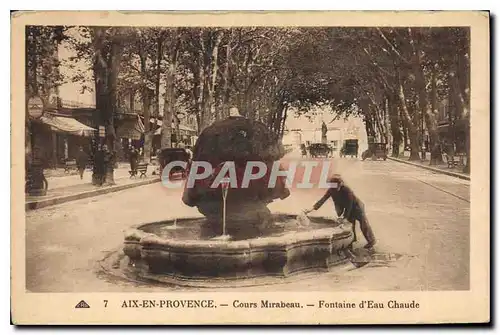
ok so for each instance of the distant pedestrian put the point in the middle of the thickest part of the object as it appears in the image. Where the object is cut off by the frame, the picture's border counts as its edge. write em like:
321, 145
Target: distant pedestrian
133, 156
81, 161
303, 150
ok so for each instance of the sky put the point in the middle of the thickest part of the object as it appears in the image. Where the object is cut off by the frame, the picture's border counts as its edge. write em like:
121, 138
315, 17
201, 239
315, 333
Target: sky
71, 91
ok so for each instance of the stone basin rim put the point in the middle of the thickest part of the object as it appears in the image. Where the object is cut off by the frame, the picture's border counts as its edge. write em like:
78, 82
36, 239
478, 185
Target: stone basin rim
169, 280
137, 235
285, 254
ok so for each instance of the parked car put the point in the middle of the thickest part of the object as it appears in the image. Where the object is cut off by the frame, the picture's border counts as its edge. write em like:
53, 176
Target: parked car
173, 154
375, 151
350, 148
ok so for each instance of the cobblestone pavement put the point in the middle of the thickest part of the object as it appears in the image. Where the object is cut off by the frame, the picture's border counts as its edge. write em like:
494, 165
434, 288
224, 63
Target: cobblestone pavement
415, 213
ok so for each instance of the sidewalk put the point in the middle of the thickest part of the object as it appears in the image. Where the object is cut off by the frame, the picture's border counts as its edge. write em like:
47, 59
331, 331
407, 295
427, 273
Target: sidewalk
68, 187
442, 168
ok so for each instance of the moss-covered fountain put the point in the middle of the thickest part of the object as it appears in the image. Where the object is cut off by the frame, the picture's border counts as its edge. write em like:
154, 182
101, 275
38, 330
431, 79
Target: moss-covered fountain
237, 240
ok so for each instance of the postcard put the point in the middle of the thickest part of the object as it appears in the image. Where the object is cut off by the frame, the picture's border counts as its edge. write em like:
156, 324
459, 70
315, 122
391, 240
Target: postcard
250, 168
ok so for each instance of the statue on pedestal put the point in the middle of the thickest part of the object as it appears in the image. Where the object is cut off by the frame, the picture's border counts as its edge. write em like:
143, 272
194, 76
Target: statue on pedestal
324, 130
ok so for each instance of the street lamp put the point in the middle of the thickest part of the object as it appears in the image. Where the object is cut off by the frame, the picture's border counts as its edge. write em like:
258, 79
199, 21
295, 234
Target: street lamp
36, 182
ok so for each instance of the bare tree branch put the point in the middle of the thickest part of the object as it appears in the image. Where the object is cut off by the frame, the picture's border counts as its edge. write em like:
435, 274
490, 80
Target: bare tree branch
393, 48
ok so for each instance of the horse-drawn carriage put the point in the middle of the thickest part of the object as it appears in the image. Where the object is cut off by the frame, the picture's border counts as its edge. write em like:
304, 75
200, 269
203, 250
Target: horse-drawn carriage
320, 150
375, 151
350, 148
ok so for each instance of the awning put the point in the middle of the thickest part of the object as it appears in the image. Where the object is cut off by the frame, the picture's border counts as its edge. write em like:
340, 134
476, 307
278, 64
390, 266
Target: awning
67, 125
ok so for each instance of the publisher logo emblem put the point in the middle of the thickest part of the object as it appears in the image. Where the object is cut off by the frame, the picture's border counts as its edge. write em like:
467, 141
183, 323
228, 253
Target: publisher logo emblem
82, 304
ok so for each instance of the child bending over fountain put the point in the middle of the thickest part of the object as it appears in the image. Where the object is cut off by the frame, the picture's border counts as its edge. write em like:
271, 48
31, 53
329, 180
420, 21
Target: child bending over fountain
348, 205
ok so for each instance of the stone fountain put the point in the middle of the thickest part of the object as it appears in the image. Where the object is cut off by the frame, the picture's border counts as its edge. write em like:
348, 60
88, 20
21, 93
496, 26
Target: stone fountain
237, 238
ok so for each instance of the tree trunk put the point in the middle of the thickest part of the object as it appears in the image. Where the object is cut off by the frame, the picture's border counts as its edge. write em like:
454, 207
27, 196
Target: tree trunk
370, 123
131, 101
225, 91
406, 141
203, 73
145, 103
30, 84
431, 123
463, 104
277, 117
169, 105
467, 148
148, 145
176, 129
385, 120
156, 112
197, 97
201, 101
429, 113
379, 127
395, 124
111, 139
148, 135
101, 81
168, 108
370, 132
283, 122
210, 107
414, 149
410, 126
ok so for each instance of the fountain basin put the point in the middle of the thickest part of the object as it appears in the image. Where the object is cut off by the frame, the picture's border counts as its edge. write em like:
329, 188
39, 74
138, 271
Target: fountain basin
187, 252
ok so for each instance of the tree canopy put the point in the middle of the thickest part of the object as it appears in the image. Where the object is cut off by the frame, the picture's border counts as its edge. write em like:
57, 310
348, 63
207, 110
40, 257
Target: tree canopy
394, 78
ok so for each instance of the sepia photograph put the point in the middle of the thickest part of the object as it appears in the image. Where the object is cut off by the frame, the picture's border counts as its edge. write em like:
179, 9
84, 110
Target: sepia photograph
248, 169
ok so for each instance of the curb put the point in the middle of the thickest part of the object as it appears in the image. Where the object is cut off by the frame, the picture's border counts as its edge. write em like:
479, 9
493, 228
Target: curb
32, 205
449, 173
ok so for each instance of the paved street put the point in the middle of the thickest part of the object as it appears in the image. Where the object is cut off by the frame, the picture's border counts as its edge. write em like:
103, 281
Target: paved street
415, 213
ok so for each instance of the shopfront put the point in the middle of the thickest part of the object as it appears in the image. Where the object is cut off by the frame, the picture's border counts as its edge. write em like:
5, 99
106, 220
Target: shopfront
60, 138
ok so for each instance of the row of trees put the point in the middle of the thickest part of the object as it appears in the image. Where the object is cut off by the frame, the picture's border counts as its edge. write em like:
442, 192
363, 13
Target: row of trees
393, 77
201, 71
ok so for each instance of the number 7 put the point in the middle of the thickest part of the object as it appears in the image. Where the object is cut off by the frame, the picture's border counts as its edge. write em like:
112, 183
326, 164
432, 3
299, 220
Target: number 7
105, 303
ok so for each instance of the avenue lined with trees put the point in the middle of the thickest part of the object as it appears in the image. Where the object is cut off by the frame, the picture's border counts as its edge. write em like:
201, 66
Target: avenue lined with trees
395, 78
